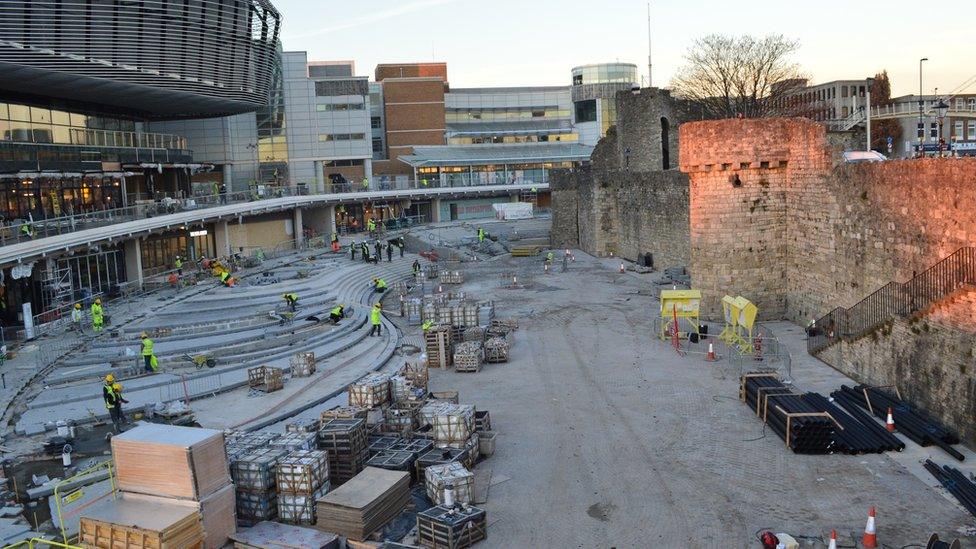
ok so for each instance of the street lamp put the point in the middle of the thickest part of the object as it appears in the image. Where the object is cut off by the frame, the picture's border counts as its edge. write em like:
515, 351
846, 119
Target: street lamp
921, 106
867, 109
941, 109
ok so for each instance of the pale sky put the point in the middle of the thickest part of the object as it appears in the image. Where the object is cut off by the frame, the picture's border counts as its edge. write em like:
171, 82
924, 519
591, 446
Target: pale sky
537, 42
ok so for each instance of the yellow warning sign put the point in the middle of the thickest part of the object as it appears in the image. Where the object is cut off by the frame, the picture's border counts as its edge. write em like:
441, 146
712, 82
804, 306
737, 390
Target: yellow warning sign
73, 496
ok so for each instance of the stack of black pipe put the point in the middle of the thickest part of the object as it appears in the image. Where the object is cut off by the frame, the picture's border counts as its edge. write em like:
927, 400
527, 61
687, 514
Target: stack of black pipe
914, 424
956, 483
860, 434
807, 434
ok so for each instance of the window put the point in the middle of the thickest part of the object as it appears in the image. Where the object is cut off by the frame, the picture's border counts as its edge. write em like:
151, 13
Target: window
921, 130
378, 145
960, 103
586, 111
972, 130
325, 137
957, 130
972, 104
933, 131
375, 122
843, 91
538, 113
330, 107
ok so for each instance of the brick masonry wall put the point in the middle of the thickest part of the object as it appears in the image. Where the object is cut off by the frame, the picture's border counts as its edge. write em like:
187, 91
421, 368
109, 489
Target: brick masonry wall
931, 359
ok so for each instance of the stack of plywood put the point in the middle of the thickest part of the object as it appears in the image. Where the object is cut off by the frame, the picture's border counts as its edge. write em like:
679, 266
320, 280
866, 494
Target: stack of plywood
272, 535
183, 466
139, 524
364, 504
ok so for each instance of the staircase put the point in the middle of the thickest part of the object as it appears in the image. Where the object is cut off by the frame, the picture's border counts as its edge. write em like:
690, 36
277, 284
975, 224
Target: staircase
896, 299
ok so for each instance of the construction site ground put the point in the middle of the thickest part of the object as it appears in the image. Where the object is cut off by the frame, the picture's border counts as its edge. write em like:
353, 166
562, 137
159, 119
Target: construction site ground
608, 438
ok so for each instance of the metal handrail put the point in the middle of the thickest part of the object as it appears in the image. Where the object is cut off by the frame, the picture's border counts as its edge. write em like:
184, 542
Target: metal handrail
34, 542
896, 299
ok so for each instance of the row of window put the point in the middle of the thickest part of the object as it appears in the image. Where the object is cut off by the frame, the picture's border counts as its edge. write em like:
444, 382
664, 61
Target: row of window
23, 113
503, 114
610, 73
331, 107
325, 137
513, 139
957, 130
31, 132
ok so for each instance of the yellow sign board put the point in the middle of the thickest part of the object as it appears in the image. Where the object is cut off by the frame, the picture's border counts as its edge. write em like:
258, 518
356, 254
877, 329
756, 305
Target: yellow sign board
73, 496
679, 304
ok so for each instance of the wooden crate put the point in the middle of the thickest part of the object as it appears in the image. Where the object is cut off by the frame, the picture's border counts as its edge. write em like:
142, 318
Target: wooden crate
342, 412
166, 460
443, 528
436, 477
482, 420
370, 391
417, 374
486, 443
446, 396
437, 345
140, 524
345, 441
452, 277
303, 472
468, 356
475, 333
496, 350
216, 510
265, 378
299, 508
452, 423
296, 441
255, 471
303, 425
254, 506
438, 456
302, 364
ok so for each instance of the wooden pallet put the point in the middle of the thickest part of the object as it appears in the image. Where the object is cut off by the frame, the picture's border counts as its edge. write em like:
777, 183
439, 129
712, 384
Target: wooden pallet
443, 528
438, 344
525, 251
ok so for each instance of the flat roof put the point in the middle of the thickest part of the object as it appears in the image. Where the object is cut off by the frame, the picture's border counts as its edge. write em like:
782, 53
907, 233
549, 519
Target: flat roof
519, 153
512, 89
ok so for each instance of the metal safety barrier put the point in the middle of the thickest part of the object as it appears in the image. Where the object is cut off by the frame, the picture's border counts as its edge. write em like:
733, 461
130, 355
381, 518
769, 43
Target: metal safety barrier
895, 299
70, 503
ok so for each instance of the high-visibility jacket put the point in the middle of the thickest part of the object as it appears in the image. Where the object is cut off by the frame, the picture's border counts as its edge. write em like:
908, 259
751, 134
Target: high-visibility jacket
381, 284
335, 237
428, 324
108, 395
291, 297
147, 347
96, 312
365, 183
336, 311
376, 316
224, 275
416, 267
178, 263
26, 229
481, 235
371, 225
549, 256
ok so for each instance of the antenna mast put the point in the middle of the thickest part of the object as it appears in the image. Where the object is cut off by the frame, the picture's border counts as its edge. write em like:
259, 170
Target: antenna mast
649, 65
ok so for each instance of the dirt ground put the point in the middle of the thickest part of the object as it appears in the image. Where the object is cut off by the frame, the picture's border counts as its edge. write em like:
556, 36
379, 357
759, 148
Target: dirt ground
608, 438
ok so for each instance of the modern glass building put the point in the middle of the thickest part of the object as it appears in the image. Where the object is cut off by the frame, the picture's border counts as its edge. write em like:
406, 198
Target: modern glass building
593, 91
509, 115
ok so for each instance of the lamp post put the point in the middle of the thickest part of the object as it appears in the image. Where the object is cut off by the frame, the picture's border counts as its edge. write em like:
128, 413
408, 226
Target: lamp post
941, 109
921, 106
867, 110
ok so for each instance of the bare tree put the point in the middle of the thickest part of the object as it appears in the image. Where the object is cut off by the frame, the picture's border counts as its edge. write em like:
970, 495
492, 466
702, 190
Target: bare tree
728, 76
883, 129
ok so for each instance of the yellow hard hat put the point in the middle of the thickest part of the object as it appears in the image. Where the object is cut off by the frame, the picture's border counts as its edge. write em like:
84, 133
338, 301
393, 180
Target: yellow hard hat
117, 386
98, 301
143, 334
109, 378
77, 305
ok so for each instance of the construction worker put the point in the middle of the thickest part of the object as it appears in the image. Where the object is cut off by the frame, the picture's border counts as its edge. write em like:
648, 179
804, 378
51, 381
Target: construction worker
389, 252
108, 395
376, 319
549, 257
98, 315
379, 285
401, 243
427, 325
365, 184
337, 313
335, 241
225, 278
378, 249
365, 247
371, 226
416, 268
292, 301
481, 235
147, 352
118, 418
352, 250
178, 264
424, 182
27, 230
76, 316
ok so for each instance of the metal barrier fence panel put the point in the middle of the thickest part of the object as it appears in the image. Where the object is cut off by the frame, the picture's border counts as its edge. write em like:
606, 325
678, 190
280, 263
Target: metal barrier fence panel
67, 504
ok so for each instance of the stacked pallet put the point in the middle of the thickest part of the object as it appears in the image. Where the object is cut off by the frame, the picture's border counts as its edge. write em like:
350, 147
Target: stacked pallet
266, 379
439, 456
437, 477
255, 478
303, 425
468, 356
371, 391
364, 504
452, 277
451, 528
181, 466
302, 478
437, 345
341, 412
345, 442
302, 364
416, 373
400, 455
141, 525
496, 350
451, 423
475, 333
412, 310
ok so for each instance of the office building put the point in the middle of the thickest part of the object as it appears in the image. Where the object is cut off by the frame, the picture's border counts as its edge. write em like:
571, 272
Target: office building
593, 90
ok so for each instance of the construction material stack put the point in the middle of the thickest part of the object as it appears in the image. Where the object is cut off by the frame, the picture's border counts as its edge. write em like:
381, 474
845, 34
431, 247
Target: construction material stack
468, 356
255, 476
437, 477
452, 426
364, 504
452, 277
451, 527
181, 474
957, 483
265, 379
273, 535
438, 346
346, 444
371, 391
398, 454
804, 428
858, 433
302, 364
302, 478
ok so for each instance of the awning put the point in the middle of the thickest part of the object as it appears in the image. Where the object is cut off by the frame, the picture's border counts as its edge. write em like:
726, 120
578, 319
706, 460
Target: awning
477, 155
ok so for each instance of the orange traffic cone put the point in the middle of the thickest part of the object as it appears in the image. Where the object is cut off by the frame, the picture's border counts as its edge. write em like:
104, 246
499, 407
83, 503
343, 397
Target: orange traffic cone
890, 423
870, 539
833, 540
711, 353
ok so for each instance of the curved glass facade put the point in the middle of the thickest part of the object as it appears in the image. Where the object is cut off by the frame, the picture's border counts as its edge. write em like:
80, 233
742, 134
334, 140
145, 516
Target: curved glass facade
165, 59
605, 73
